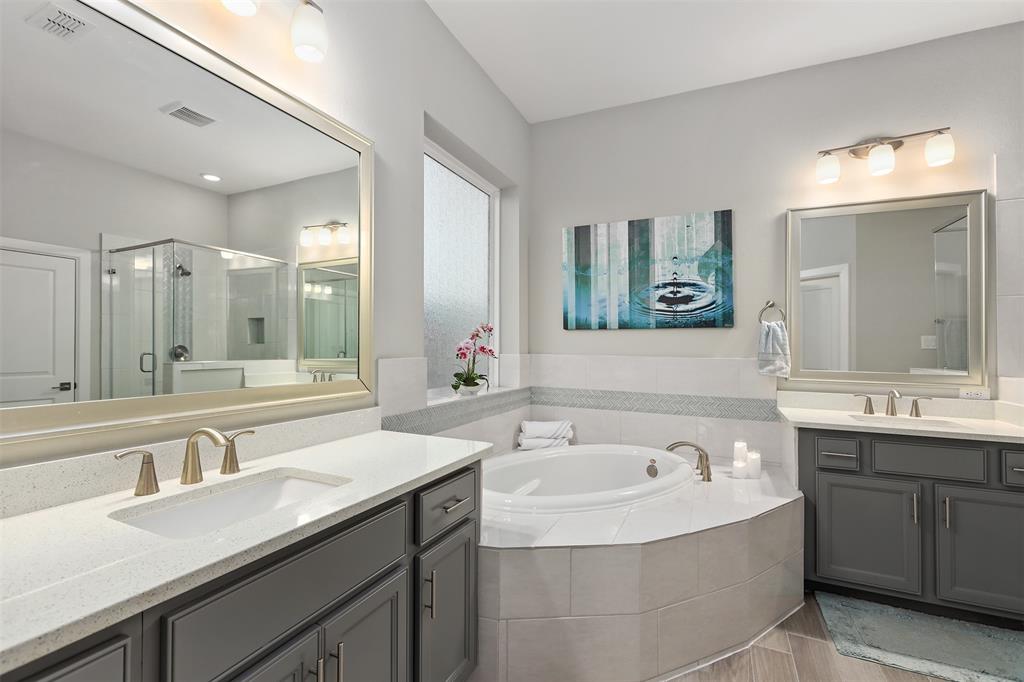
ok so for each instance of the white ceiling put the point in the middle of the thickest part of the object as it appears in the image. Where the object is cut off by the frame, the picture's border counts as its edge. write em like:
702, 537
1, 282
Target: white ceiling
556, 58
101, 94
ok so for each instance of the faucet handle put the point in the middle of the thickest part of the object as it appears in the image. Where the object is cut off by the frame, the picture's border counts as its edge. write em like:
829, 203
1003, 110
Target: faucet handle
869, 407
147, 483
229, 465
915, 410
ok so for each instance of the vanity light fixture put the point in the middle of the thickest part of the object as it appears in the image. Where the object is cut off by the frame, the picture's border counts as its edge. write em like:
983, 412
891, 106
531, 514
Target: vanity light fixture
880, 153
306, 237
342, 235
328, 290
243, 8
309, 32
210, 177
227, 255
324, 234
317, 288
307, 287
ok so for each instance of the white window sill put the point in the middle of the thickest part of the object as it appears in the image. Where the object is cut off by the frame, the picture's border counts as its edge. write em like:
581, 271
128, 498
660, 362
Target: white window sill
439, 396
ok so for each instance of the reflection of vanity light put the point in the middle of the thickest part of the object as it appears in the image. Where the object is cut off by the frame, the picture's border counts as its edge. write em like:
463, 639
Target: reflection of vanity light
308, 288
227, 255
317, 288
309, 32
882, 159
243, 8
939, 150
328, 290
324, 236
827, 170
305, 237
343, 236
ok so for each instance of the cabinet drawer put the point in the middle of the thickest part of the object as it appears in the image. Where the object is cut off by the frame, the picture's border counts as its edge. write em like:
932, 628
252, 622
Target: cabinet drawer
110, 662
209, 638
441, 507
1013, 468
930, 461
837, 453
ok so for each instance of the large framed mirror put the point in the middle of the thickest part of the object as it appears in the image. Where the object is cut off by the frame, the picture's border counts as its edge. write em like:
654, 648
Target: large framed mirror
163, 210
889, 292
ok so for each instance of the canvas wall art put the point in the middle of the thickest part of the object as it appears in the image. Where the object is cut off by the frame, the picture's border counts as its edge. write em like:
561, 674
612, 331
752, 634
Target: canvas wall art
653, 273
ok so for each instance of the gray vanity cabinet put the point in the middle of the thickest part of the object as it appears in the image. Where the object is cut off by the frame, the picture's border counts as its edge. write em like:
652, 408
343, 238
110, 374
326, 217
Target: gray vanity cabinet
296, 661
869, 531
110, 663
368, 638
980, 547
446, 636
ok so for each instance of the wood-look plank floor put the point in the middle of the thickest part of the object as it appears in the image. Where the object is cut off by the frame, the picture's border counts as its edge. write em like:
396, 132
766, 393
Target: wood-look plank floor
799, 650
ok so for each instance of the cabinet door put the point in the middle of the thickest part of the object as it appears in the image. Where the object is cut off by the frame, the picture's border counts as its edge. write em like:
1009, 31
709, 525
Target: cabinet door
446, 598
980, 547
869, 531
369, 637
110, 662
296, 661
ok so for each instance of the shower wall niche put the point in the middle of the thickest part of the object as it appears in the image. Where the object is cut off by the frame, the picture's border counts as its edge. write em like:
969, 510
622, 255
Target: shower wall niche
181, 317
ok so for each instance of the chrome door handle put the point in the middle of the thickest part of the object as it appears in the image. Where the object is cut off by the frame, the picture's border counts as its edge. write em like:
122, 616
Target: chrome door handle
319, 670
339, 653
449, 508
946, 504
1019, 470
836, 454
433, 595
915, 509
142, 363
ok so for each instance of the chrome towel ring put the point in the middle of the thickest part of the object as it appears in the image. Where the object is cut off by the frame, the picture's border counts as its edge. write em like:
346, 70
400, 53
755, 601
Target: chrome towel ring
769, 304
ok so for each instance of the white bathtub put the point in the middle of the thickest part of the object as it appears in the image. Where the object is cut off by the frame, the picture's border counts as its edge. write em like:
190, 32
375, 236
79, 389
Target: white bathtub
581, 478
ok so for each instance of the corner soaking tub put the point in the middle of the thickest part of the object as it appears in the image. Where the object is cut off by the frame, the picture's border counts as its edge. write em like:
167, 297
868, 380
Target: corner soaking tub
581, 478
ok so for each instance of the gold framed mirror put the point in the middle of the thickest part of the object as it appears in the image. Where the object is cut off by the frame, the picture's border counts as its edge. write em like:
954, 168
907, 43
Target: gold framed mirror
155, 288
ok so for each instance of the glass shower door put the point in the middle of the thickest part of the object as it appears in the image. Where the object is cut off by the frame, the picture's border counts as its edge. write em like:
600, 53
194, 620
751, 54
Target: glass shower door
131, 352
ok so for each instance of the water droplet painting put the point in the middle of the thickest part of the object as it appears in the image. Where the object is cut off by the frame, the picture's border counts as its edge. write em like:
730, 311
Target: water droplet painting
652, 273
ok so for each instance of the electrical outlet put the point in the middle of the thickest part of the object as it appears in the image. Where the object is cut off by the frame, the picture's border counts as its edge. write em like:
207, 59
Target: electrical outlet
975, 393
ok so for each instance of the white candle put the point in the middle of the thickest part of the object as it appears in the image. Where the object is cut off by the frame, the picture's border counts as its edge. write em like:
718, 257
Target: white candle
739, 469
739, 451
753, 464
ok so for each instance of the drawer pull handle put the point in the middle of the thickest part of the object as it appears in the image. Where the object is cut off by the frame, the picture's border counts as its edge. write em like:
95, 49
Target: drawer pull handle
915, 509
449, 508
1019, 470
319, 670
837, 454
340, 655
946, 504
433, 595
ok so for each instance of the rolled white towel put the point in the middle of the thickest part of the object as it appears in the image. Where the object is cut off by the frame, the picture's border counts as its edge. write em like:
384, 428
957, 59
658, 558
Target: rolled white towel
562, 429
540, 443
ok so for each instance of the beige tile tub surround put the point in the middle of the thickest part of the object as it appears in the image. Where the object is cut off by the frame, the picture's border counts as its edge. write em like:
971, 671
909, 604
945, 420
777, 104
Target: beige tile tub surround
640, 611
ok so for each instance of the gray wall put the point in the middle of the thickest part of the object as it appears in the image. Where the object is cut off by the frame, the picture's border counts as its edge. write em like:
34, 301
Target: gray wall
750, 146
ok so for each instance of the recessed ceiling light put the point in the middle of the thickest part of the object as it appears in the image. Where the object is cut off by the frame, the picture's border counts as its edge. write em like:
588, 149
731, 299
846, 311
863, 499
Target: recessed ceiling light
210, 177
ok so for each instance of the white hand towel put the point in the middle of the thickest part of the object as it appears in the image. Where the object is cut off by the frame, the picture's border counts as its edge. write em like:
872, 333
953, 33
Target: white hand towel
540, 443
562, 429
773, 350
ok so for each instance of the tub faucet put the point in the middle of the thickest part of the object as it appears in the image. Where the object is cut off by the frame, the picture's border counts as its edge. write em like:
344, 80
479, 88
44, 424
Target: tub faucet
703, 460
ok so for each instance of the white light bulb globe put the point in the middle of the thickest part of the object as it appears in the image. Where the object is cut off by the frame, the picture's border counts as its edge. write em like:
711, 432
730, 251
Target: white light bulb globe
827, 170
309, 33
882, 159
939, 150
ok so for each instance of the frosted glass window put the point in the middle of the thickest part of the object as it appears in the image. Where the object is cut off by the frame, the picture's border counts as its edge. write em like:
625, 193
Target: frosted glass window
456, 267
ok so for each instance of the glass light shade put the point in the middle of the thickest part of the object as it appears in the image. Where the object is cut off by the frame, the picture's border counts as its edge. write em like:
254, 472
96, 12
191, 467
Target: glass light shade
882, 159
307, 287
939, 150
343, 236
827, 170
243, 8
309, 33
328, 290
324, 236
305, 237
227, 255
317, 288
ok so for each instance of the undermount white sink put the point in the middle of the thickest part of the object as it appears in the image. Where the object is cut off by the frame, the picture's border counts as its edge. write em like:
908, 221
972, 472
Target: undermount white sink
199, 512
903, 421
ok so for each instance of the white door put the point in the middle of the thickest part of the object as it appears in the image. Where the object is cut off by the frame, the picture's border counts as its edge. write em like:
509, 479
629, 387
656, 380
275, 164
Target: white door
37, 329
820, 332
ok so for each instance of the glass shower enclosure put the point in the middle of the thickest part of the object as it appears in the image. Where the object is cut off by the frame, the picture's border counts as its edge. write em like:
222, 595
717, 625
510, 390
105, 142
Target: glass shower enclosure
172, 302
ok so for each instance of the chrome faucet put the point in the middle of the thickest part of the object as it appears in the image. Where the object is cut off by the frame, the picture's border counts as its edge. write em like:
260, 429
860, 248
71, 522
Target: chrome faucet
703, 460
890, 404
192, 470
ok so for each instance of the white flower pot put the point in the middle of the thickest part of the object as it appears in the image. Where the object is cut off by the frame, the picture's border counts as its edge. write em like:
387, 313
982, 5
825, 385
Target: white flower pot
470, 390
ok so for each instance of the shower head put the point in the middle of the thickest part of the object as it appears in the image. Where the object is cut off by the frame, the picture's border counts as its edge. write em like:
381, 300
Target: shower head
182, 270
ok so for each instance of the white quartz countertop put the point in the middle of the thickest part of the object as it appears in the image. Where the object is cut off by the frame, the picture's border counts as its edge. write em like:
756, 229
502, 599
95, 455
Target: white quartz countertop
937, 426
69, 571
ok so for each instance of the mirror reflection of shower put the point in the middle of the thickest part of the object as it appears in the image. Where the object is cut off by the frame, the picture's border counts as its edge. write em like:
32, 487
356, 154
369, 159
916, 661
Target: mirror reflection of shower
181, 317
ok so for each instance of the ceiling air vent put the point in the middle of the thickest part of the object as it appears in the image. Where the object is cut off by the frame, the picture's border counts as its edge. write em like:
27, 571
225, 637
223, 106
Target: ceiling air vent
183, 113
59, 22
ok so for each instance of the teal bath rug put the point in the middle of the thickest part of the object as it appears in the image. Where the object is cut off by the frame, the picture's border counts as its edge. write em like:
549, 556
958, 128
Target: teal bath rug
926, 644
